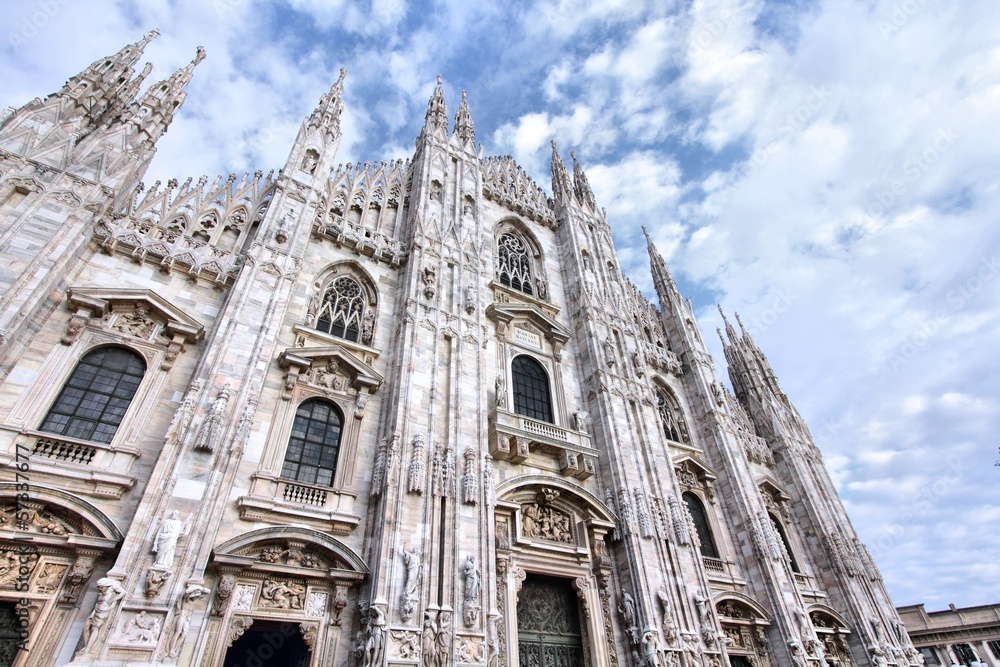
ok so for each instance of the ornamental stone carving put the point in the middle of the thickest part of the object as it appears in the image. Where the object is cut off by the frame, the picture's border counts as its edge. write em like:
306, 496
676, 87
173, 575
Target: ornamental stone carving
282, 594
546, 523
109, 594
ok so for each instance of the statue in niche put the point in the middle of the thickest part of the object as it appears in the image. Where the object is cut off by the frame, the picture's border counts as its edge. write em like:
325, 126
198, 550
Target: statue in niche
435, 194
501, 392
172, 529
473, 586
701, 601
411, 559
580, 420
540, 288
428, 642
609, 352
368, 328
310, 161
470, 299
429, 278
627, 609
109, 594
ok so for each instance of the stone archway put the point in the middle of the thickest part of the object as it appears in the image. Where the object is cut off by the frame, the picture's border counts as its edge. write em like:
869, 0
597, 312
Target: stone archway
289, 580
269, 644
553, 568
50, 545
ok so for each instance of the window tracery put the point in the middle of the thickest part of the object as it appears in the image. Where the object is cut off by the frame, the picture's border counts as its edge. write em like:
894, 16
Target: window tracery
667, 419
342, 311
514, 264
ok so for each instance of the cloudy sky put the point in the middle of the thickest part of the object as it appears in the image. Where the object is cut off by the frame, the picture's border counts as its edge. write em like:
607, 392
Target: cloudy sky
829, 169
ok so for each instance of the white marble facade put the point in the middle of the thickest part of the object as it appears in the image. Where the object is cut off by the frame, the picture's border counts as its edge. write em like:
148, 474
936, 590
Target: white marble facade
518, 458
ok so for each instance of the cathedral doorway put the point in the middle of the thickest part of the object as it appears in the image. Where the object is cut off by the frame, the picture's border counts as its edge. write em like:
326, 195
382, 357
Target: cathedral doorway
269, 644
548, 623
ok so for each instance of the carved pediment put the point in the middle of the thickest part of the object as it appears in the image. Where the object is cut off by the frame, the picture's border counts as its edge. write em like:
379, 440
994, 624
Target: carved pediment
504, 314
333, 366
692, 472
101, 301
775, 499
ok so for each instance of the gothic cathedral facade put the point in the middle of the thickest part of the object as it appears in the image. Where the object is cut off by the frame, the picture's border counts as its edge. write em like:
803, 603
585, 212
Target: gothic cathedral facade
391, 413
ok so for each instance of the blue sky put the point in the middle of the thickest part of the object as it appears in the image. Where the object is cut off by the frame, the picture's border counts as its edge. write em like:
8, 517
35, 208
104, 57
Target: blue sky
828, 169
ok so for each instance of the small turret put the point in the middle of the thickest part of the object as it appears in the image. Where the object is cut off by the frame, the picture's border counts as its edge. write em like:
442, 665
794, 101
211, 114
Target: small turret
581, 186
436, 120
103, 90
464, 128
562, 189
326, 115
154, 111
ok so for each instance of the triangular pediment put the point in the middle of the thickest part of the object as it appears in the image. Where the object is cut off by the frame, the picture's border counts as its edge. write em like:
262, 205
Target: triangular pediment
361, 374
508, 313
696, 466
100, 300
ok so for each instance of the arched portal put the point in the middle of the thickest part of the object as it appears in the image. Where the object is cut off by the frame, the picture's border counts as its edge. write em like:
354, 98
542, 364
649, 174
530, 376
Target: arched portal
549, 624
554, 572
269, 644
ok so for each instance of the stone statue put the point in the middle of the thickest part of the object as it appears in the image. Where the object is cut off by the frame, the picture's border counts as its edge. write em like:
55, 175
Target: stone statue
183, 623
470, 299
627, 609
501, 392
428, 642
368, 327
171, 530
374, 646
109, 594
650, 653
412, 560
473, 586
580, 420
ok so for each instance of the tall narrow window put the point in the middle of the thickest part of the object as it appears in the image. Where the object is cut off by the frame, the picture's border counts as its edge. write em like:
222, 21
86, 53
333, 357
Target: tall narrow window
667, 417
514, 264
343, 308
311, 457
93, 402
778, 528
530, 384
700, 519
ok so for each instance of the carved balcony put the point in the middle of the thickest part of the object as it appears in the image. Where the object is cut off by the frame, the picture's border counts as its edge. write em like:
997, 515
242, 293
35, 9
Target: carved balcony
514, 437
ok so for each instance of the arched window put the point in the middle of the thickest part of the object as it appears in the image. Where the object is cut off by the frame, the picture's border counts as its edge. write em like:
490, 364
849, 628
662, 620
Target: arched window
93, 401
780, 530
667, 417
343, 309
530, 384
311, 457
700, 519
514, 264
